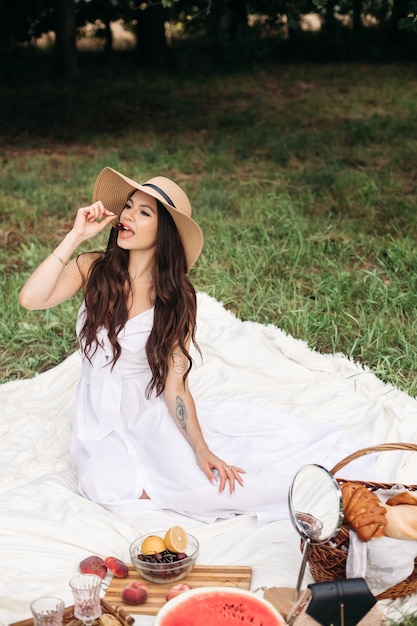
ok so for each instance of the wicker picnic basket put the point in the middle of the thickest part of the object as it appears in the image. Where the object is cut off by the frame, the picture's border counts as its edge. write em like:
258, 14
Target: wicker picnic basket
328, 561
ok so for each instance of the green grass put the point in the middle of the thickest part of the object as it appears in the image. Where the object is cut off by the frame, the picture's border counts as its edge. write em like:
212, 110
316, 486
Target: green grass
301, 176
406, 620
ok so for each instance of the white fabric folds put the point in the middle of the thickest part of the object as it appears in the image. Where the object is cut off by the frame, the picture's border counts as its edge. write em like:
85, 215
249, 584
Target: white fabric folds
47, 527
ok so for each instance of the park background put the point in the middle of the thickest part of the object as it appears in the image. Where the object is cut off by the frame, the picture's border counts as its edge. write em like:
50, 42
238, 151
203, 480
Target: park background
291, 125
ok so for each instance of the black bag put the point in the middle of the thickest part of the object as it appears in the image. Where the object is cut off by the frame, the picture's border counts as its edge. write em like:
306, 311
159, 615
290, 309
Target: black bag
345, 602
340, 602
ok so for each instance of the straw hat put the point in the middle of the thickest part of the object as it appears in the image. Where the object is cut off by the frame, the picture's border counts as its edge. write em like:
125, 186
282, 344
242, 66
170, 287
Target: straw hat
113, 189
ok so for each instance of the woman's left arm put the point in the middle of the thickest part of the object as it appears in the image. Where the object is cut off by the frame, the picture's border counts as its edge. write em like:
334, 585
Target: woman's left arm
181, 406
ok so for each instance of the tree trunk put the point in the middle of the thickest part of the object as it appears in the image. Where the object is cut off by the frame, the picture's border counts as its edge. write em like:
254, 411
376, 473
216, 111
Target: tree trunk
108, 40
214, 19
151, 38
294, 26
330, 20
65, 46
357, 18
238, 18
398, 36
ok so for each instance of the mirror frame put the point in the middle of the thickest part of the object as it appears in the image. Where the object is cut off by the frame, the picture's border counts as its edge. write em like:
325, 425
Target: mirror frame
300, 528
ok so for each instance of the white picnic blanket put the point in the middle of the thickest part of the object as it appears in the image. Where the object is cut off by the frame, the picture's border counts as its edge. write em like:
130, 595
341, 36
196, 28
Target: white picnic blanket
47, 528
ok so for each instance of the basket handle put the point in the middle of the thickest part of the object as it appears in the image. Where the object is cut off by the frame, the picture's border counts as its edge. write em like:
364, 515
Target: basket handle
378, 448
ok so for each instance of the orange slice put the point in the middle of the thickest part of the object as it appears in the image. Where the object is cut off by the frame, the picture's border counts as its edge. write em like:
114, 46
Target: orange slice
176, 539
153, 545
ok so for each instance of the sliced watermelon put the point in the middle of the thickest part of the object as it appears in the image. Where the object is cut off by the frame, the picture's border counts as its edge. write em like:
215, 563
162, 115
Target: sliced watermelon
220, 608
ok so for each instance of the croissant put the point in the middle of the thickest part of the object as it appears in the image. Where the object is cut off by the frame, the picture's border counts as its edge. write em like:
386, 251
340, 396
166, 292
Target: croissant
363, 511
404, 497
402, 516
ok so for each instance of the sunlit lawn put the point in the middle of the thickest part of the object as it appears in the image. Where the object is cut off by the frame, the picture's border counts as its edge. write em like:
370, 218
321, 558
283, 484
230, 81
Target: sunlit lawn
302, 178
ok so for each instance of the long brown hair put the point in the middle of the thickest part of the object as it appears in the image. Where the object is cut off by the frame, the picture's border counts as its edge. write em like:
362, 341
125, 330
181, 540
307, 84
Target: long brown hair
106, 294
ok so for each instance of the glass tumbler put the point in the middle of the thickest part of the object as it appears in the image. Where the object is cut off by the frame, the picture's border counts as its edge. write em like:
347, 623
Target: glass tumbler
47, 611
86, 592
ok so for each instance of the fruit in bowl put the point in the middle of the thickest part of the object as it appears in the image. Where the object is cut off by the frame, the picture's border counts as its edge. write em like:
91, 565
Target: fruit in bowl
218, 606
164, 556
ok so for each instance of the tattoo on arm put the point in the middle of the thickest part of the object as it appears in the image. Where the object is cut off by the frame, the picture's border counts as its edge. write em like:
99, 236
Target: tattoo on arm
181, 413
179, 362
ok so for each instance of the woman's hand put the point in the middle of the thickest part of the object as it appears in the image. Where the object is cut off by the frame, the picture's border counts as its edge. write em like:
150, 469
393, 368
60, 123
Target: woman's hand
91, 220
209, 462
181, 405
58, 278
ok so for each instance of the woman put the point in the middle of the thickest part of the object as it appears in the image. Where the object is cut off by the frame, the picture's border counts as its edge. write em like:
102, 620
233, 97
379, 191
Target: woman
137, 440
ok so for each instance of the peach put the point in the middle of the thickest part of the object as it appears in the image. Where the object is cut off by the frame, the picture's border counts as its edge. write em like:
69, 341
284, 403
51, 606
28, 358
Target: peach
135, 593
116, 566
175, 590
93, 565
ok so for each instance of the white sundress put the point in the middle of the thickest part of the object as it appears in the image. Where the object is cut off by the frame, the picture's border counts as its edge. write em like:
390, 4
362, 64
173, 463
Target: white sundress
124, 443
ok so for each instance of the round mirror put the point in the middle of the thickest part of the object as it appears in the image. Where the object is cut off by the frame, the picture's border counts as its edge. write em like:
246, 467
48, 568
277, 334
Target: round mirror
316, 509
316, 505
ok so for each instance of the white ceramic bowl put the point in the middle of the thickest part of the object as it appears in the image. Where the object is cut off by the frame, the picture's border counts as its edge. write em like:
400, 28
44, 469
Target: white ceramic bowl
229, 606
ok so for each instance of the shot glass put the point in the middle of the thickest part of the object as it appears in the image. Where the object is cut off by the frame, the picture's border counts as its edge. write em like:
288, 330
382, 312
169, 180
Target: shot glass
86, 592
47, 611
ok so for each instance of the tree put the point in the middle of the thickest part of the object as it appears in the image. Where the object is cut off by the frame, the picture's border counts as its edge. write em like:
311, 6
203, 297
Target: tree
65, 42
357, 18
151, 39
238, 17
102, 13
22, 22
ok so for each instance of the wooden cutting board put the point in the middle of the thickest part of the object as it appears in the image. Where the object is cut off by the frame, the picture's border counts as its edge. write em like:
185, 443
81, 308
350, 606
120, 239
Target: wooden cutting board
201, 576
